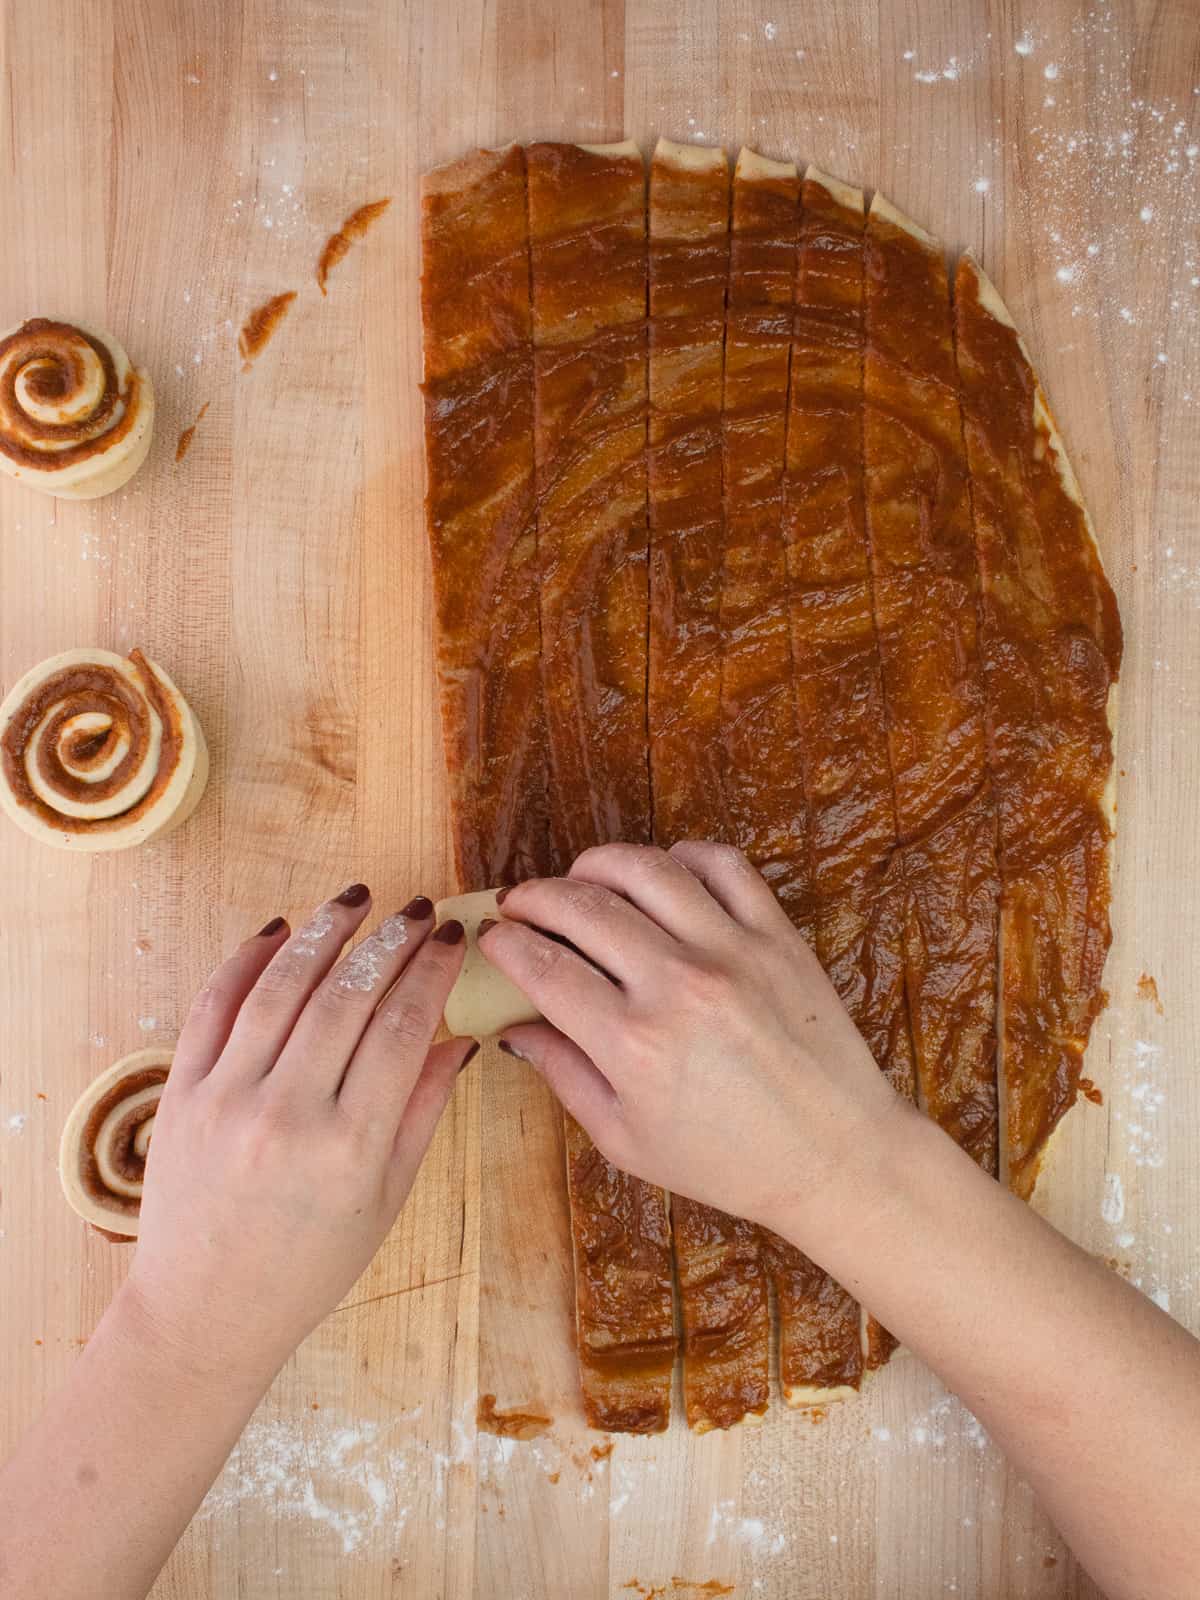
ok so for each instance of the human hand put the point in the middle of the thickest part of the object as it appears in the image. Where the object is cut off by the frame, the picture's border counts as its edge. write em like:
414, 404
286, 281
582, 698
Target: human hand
715, 1057
301, 1099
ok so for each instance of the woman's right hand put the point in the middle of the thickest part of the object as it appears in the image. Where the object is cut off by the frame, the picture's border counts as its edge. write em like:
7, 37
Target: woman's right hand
714, 1058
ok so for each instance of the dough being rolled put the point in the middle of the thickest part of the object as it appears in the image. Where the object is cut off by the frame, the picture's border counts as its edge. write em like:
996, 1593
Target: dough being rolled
76, 419
99, 752
102, 1154
482, 1002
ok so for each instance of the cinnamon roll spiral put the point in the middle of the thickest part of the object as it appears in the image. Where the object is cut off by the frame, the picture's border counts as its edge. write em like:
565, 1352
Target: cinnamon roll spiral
99, 752
102, 1155
76, 419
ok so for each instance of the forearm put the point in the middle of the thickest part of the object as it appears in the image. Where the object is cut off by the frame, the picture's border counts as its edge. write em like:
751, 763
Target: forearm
119, 1462
1092, 1392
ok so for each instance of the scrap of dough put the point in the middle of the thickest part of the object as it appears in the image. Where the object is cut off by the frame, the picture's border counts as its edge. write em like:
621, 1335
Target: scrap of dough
483, 1002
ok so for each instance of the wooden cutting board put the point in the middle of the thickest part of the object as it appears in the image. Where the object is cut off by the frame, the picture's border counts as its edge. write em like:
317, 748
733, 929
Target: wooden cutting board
166, 165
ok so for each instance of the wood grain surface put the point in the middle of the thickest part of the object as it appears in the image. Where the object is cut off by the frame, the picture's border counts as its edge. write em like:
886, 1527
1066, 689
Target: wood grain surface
165, 166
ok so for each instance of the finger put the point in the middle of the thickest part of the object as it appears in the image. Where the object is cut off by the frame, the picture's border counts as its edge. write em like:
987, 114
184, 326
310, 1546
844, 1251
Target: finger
573, 1076
389, 1058
658, 885
271, 1008
214, 1010
733, 882
433, 1088
568, 992
600, 923
328, 1030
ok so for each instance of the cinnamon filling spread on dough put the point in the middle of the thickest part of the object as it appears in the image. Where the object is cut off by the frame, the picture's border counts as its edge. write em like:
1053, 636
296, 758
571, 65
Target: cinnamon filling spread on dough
74, 692
745, 532
45, 359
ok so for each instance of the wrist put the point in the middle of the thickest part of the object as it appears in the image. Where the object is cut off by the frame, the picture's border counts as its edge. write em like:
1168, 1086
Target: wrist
849, 1207
188, 1355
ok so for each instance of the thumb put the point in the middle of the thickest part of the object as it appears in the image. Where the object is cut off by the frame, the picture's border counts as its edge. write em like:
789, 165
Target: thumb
573, 1076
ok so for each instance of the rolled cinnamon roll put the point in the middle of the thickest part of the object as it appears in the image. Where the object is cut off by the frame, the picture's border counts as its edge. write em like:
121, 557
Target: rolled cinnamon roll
99, 752
76, 419
102, 1155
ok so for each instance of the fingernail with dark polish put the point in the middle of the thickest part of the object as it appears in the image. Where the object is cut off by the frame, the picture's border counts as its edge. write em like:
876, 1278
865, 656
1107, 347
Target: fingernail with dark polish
272, 927
418, 909
484, 925
355, 895
470, 1056
502, 894
450, 932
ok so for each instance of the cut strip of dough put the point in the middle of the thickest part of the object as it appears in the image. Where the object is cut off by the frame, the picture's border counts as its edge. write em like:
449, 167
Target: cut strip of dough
689, 259
588, 267
723, 1287
478, 393
99, 752
1052, 653
102, 1152
722, 1274
839, 699
926, 597
76, 418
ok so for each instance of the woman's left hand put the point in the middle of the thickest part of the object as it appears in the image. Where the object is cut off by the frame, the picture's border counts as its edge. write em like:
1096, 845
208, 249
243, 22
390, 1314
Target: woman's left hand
302, 1097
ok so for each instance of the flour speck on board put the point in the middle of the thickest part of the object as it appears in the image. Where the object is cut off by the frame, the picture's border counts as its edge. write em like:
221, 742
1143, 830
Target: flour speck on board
1112, 1207
347, 1478
16, 1123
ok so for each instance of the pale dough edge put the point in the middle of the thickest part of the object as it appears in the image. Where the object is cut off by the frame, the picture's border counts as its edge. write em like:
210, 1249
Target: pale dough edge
626, 147
798, 1395
844, 193
690, 157
751, 166
885, 211
68, 1145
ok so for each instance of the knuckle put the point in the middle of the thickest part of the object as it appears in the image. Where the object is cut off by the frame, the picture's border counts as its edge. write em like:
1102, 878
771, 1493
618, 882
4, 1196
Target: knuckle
279, 979
407, 1020
335, 998
212, 999
545, 961
649, 859
710, 986
589, 899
